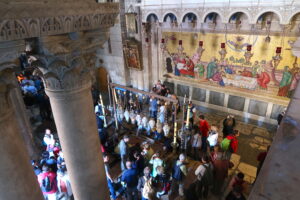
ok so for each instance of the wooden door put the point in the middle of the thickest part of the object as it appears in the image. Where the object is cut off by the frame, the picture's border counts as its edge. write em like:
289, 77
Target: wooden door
102, 79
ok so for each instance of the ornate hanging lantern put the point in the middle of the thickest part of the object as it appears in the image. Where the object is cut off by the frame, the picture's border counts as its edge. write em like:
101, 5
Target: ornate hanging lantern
130, 18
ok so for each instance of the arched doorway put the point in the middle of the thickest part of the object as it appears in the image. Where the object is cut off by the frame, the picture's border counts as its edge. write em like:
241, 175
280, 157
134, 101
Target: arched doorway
102, 79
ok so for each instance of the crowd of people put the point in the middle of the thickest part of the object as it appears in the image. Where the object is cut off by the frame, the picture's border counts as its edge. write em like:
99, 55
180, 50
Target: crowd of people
51, 170
35, 98
148, 174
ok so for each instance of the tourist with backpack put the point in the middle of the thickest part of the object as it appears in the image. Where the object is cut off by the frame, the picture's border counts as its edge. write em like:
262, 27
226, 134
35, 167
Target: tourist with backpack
237, 180
123, 150
196, 143
221, 167
129, 180
48, 184
155, 162
230, 144
178, 175
204, 173
64, 185
142, 187
228, 125
162, 182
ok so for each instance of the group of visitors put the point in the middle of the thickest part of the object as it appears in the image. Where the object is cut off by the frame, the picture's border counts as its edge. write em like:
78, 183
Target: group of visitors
51, 170
35, 98
147, 175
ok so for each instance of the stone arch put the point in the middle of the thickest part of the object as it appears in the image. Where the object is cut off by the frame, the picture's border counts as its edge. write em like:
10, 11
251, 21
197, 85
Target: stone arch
210, 12
236, 12
288, 19
33, 28
169, 14
255, 19
152, 14
68, 24
186, 13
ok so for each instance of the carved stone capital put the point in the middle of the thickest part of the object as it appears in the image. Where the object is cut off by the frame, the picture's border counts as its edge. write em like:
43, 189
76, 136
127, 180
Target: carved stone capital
63, 75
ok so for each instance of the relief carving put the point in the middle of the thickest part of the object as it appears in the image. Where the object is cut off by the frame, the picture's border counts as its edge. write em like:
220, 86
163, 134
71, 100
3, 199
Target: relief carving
12, 28
58, 74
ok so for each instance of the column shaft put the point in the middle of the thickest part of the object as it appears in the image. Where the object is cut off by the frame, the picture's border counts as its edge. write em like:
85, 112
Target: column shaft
18, 180
77, 131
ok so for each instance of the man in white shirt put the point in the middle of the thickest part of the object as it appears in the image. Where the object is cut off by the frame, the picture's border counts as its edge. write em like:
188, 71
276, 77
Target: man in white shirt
64, 185
204, 173
213, 136
49, 140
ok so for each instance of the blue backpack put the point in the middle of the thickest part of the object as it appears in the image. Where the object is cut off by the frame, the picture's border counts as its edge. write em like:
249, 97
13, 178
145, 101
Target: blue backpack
177, 173
46, 184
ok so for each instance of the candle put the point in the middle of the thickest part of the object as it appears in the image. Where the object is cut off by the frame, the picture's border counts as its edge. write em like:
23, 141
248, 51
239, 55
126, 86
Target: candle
200, 43
175, 133
103, 111
188, 116
180, 42
115, 95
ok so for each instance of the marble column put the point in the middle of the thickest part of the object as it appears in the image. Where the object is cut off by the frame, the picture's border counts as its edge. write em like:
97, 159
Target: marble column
68, 85
18, 180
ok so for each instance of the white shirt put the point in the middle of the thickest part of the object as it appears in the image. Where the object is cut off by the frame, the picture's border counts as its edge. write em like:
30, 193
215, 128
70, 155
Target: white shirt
65, 178
49, 140
213, 139
197, 141
201, 170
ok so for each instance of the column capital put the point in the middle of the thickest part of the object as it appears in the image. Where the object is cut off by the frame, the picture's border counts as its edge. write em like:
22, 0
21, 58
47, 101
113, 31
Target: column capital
71, 73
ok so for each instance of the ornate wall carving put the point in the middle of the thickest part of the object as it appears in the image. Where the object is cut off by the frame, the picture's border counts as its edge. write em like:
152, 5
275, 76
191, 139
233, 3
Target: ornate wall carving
36, 19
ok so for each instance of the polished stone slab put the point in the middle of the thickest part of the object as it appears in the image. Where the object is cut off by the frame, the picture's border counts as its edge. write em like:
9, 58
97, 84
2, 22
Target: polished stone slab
236, 102
216, 98
276, 110
199, 94
258, 107
183, 90
170, 86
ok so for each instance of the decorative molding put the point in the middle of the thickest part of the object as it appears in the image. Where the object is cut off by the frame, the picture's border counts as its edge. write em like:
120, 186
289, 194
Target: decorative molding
26, 19
285, 14
14, 29
62, 75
